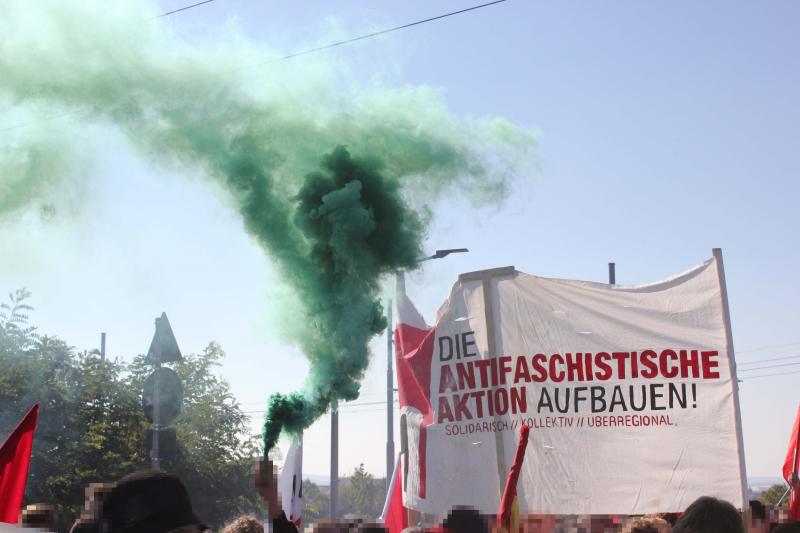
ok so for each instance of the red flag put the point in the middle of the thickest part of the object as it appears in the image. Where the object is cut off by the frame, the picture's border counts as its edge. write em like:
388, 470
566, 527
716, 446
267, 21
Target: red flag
790, 469
395, 516
509, 501
15, 458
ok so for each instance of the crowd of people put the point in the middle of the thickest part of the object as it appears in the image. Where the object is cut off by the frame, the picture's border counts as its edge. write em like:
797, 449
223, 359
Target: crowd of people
158, 502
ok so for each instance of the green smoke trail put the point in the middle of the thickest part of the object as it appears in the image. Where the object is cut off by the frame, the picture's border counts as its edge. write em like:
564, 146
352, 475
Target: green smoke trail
332, 224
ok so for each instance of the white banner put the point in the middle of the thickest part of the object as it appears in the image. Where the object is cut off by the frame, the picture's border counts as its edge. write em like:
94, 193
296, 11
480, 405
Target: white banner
630, 392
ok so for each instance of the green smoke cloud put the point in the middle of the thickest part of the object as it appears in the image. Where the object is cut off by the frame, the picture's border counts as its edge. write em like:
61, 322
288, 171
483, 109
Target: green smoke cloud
322, 177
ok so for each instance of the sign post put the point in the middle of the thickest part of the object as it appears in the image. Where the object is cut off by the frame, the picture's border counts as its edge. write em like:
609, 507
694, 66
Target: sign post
162, 393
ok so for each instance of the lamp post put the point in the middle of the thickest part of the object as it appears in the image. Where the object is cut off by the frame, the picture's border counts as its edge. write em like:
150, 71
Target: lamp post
400, 291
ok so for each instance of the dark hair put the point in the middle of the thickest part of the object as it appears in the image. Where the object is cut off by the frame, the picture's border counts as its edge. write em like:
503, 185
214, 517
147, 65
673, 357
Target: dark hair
465, 520
709, 515
757, 510
38, 515
149, 502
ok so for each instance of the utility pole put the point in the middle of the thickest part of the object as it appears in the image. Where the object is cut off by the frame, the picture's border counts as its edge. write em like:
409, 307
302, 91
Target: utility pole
103, 346
390, 462
334, 459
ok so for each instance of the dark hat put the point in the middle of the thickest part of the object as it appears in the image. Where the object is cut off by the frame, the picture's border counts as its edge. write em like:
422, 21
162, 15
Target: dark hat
149, 502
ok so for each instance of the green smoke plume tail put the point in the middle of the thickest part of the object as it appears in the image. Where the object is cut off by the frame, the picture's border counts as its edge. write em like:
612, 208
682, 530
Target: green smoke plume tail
331, 224
357, 228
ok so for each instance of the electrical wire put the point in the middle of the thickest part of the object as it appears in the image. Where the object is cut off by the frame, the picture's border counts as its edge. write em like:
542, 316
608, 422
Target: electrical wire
388, 30
761, 348
184, 8
759, 361
342, 407
770, 375
303, 52
769, 366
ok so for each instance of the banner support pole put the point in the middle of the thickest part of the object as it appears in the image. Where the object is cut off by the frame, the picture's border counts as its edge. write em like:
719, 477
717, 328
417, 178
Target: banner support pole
726, 316
486, 277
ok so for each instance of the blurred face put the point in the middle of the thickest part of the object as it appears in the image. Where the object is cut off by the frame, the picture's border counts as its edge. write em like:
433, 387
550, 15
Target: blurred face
758, 526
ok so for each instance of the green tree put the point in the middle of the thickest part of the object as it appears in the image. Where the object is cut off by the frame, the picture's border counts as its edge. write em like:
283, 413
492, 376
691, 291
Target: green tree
92, 428
772, 495
316, 503
90, 423
361, 495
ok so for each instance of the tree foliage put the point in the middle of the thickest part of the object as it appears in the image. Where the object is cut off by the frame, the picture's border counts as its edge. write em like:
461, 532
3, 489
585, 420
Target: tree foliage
772, 495
92, 427
316, 502
361, 495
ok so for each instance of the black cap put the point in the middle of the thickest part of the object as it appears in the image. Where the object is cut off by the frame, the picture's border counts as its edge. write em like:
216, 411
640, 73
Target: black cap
149, 502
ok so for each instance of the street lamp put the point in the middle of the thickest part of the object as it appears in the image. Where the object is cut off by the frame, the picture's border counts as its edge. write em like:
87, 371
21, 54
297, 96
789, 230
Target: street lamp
400, 291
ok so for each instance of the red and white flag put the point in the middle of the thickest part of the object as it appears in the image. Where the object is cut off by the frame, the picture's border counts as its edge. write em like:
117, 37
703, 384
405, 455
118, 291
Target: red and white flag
395, 515
791, 465
290, 482
414, 356
15, 458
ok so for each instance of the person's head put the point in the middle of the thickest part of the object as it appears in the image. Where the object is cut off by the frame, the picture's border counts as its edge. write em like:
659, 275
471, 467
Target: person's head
758, 518
244, 524
465, 520
344, 525
647, 524
709, 515
150, 502
38, 516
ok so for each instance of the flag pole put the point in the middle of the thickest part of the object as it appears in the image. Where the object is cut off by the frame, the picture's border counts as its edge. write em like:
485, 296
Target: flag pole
726, 316
390, 457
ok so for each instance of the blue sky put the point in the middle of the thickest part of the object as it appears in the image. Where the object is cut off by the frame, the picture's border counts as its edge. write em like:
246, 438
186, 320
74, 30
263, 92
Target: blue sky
665, 129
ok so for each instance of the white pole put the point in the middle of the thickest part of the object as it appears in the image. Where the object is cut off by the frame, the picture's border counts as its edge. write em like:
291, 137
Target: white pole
726, 315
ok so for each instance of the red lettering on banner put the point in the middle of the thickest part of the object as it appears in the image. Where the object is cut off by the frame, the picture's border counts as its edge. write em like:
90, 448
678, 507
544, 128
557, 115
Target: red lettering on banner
553, 359
620, 358
519, 400
634, 365
483, 366
444, 412
462, 411
447, 382
537, 361
466, 375
605, 373
521, 372
574, 366
648, 361
689, 361
667, 372
709, 365
505, 368
589, 370
478, 396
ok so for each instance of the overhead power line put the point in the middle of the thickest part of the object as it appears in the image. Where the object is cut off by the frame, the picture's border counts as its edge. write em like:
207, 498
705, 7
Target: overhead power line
296, 54
184, 8
759, 361
762, 348
748, 378
388, 30
769, 366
